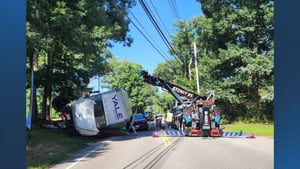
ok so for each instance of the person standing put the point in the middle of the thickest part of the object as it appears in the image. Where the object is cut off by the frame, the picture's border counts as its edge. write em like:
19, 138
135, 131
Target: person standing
158, 121
169, 120
217, 116
200, 111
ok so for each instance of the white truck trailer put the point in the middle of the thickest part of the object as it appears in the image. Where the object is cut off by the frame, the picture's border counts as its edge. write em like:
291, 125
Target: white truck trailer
108, 109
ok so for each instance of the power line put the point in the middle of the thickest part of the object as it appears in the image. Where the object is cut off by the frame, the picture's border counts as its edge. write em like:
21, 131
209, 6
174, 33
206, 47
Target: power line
147, 34
159, 50
174, 10
159, 18
149, 41
165, 40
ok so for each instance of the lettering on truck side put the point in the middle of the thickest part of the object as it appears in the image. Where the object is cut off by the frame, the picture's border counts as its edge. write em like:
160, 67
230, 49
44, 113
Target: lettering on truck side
118, 114
183, 92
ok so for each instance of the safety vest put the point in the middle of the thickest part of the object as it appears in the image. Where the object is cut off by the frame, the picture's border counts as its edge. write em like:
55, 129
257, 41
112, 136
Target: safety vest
169, 117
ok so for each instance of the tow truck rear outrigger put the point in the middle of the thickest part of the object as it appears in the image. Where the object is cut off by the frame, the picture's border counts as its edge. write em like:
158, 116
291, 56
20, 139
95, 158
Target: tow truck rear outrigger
204, 116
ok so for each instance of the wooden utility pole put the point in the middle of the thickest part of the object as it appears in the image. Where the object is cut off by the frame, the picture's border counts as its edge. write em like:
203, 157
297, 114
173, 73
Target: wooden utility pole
196, 68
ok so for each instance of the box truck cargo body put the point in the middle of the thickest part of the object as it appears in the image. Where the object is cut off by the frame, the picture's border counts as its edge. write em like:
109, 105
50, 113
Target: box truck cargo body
109, 109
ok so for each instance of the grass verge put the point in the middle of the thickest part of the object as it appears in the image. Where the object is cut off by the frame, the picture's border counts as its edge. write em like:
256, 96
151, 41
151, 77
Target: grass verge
256, 128
47, 147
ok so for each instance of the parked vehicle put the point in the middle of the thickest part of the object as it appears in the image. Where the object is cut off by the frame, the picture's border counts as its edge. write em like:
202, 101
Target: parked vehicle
140, 122
148, 116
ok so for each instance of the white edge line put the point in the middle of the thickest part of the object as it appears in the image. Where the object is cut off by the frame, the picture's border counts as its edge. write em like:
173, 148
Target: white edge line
82, 158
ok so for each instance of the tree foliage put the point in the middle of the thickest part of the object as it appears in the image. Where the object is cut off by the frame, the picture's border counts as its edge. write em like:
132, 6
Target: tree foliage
125, 75
166, 101
244, 55
67, 42
235, 54
182, 44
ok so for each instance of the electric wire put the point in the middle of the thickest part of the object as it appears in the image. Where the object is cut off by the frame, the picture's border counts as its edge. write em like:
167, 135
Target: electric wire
154, 42
148, 40
176, 9
164, 26
173, 6
165, 40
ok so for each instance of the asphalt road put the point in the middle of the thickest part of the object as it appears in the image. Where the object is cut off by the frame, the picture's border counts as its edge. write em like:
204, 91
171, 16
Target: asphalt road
143, 151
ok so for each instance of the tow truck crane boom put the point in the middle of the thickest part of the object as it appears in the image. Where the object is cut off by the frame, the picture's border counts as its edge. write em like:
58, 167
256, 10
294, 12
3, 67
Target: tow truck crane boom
178, 93
189, 99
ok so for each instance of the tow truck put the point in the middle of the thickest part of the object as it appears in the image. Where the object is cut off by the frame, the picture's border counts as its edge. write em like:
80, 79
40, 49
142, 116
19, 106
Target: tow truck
204, 117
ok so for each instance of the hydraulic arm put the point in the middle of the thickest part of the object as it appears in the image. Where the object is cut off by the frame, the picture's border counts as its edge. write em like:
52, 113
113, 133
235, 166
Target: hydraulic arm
183, 96
190, 100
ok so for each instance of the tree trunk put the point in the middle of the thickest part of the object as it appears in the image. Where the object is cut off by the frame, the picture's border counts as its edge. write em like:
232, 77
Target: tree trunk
135, 109
34, 105
48, 86
34, 67
47, 102
255, 90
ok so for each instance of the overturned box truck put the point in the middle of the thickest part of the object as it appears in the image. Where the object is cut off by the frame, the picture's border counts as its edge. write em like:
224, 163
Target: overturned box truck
105, 110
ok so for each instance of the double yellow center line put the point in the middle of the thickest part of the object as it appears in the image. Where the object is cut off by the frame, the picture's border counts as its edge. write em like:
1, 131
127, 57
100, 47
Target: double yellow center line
166, 140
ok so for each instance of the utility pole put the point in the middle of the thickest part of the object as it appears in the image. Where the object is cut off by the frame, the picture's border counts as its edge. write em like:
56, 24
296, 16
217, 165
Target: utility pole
196, 68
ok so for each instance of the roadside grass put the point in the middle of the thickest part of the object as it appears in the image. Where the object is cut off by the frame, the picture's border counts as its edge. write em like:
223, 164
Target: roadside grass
46, 147
255, 128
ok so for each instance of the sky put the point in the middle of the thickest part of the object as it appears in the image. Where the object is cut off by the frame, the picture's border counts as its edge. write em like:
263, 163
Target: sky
141, 51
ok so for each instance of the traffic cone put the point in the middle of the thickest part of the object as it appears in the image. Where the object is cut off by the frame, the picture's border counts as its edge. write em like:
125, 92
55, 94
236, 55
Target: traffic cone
154, 134
252, 136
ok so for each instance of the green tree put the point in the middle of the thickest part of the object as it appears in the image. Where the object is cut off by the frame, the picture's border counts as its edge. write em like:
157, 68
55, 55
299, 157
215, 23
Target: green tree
67, 42
242, 53
182, 43
165, 100
125, 75
168, 71
197, 30
235, 44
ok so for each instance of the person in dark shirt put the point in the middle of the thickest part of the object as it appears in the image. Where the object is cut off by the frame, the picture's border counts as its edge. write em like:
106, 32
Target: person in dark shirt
158, 121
